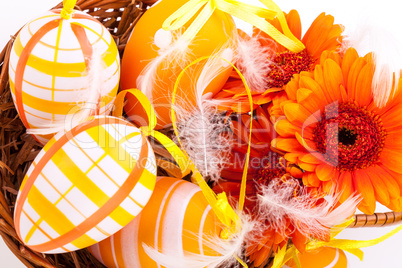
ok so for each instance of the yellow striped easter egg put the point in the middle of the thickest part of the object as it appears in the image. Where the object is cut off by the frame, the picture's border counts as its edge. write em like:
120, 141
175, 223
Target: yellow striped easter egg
177, 220
57, 64
85, 185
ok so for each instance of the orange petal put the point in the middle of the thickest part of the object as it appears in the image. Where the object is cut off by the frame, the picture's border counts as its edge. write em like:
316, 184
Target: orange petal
325, 172
364, 81
392, 159
392, 179
348, 59
294, 23
395, 204
308, 144
286, 129
287, 145
299, 240
307, 167
310, 158
352, 78
345, 185
312, 179
380, 188
297, 114
364, 187
333, 79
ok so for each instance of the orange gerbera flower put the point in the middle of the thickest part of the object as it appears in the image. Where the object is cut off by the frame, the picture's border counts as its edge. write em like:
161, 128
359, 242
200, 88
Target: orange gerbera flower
265, 165
335, 132
322, 35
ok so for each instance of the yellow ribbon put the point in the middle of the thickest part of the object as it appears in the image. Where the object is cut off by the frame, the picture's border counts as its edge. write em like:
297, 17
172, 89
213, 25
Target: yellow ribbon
218, 203
68, 7
351, 246
169, 145
252, 14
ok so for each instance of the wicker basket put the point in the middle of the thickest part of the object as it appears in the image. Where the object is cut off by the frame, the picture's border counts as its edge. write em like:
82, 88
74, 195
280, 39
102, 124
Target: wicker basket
19, 149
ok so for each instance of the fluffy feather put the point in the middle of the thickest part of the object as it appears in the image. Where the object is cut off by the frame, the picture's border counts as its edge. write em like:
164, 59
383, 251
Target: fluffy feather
254, 60
276, 203
228, 250
201, 129
88, 99
172, 49
368, 37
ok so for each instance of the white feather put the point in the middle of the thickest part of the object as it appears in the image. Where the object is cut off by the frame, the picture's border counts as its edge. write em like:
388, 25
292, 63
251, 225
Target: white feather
172, 53
276, 203
88, 101
201, 128
369, 37
254, 61
228, 250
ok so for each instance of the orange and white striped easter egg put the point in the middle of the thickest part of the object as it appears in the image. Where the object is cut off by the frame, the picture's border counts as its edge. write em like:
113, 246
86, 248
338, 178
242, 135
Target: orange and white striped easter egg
177, 220
85, 185
55, 63
324, 257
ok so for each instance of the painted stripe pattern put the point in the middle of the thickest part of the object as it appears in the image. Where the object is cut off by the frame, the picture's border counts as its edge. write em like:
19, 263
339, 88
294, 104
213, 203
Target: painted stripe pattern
85, 185
177, 220
50, 68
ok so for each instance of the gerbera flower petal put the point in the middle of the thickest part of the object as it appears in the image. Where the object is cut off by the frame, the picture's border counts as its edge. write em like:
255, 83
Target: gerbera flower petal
285, 128
392, 179
348, 60
317, 32
380, 188
333, 79
345, 186
297, 114
311, 179
354, 72
310, 158
308, 145
396, 204
364, 82
392, 159
299, 240
364, 187
307, 167
287, 145
393, 118
325, 172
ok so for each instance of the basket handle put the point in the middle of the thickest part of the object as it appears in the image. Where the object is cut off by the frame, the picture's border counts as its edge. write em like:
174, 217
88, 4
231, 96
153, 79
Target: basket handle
377, 219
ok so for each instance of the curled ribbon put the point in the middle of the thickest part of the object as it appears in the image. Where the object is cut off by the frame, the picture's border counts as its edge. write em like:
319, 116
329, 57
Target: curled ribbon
68, 7
224, 213
252, 14
219, 203
351, 246
169, 145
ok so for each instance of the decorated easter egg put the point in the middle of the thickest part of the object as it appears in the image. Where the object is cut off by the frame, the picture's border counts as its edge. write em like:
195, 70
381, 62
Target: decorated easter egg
177, 220
324, 257
57, 65
85, 185
149, 44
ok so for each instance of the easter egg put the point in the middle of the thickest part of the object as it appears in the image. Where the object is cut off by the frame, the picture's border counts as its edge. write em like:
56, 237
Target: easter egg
149, 40
176, 220
324, 257
85, 185
58, 64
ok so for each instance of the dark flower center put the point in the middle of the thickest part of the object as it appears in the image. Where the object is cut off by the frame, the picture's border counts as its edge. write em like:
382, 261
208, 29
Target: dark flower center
349, 137
346, 136
285, 65
272, 166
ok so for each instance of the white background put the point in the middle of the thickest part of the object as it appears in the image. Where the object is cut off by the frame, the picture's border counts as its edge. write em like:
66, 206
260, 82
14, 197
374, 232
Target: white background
386, 13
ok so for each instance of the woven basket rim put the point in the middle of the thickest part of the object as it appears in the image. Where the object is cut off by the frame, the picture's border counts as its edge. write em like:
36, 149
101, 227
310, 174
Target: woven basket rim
133, 9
